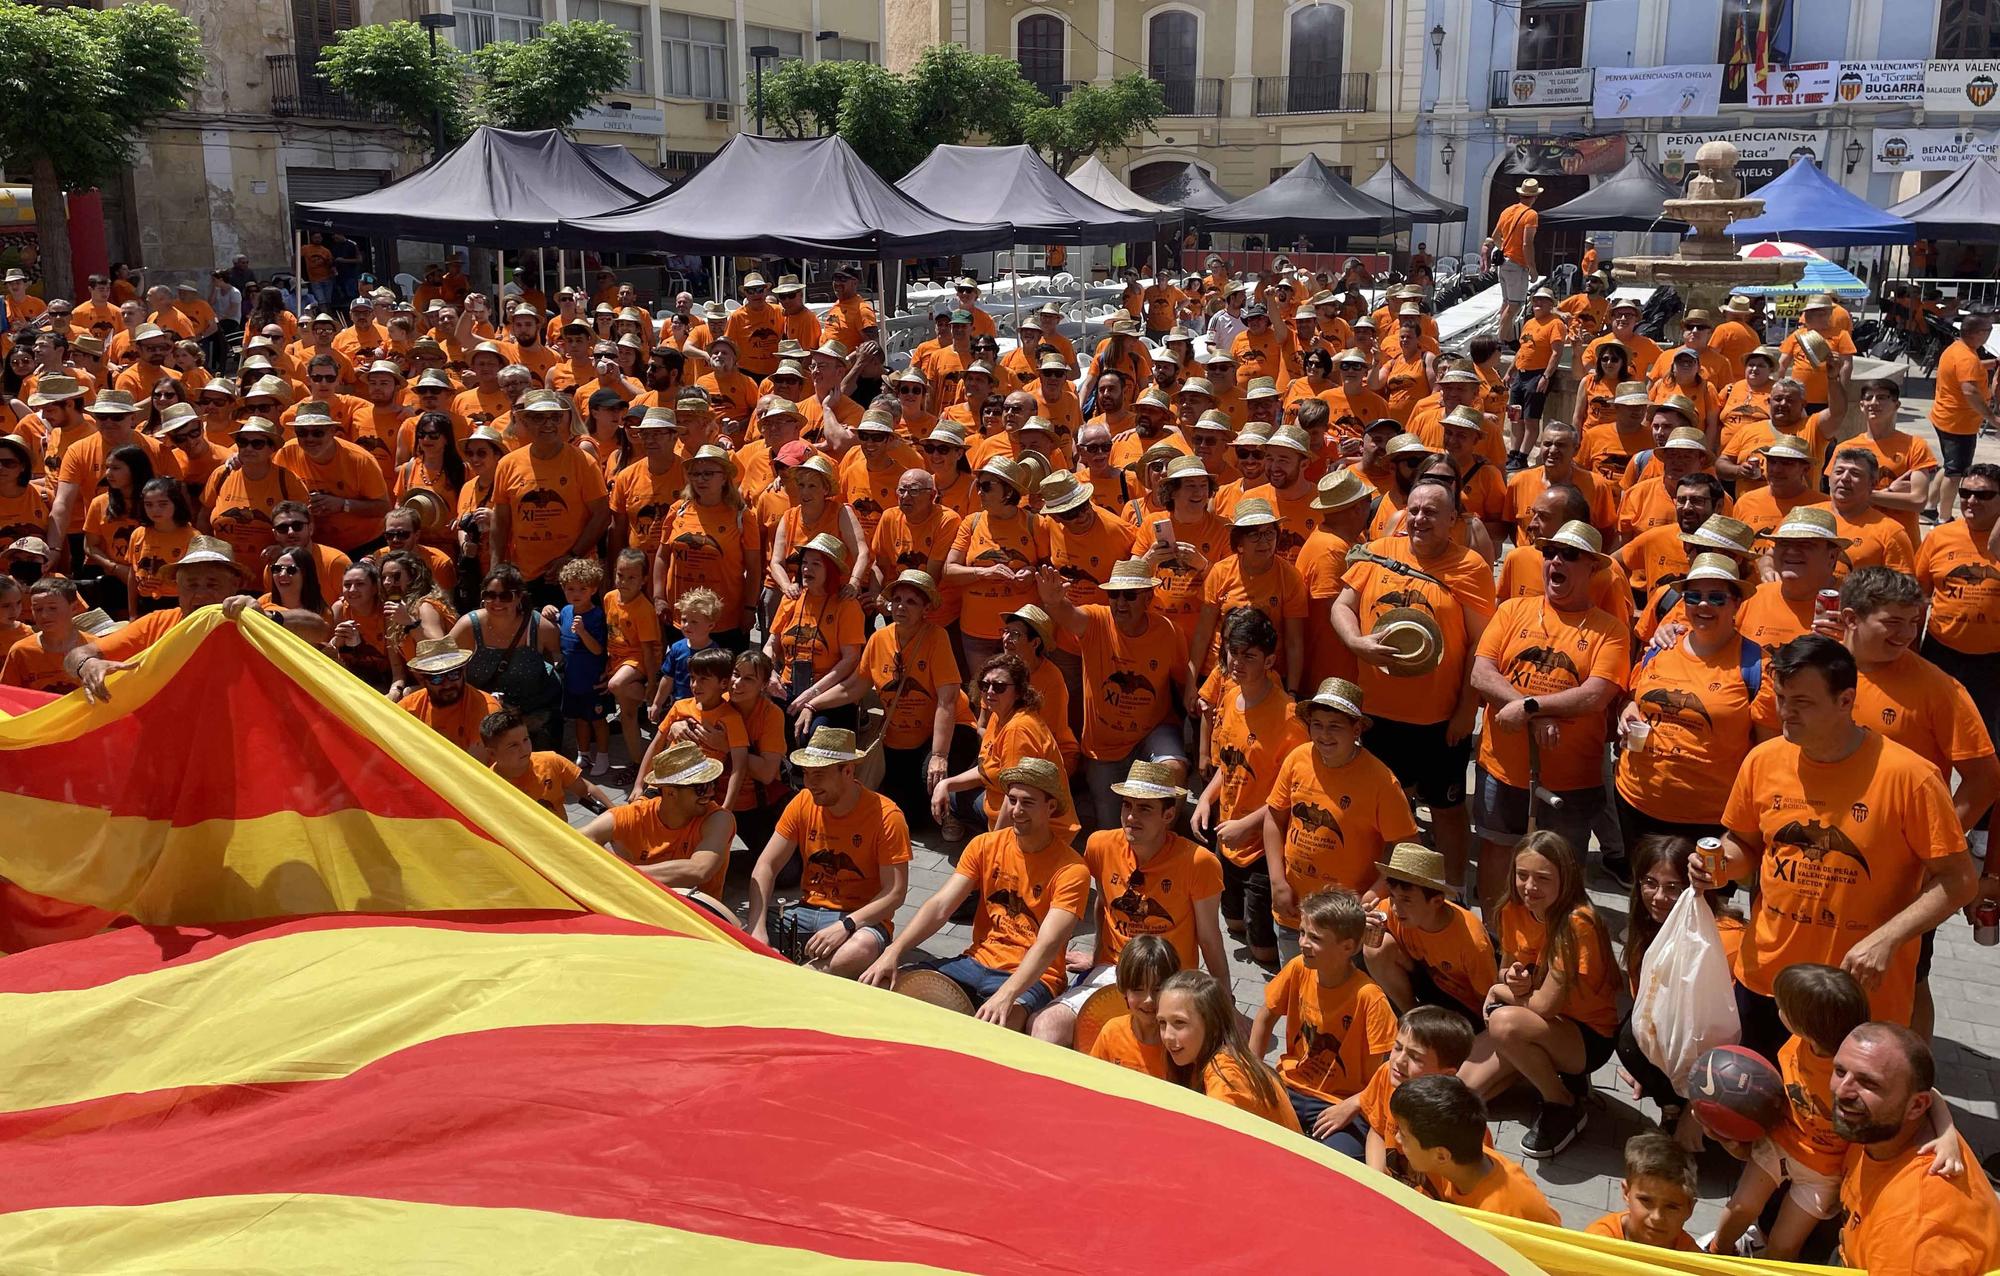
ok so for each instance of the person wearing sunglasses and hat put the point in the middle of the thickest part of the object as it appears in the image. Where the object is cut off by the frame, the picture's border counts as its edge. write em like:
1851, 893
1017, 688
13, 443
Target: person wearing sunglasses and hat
550, 503
1682, 450
443, 701
1822, 353
855, 848
677, 836
1031, 889
348, 494
755, 328
1523, 570
994, 556
815, 636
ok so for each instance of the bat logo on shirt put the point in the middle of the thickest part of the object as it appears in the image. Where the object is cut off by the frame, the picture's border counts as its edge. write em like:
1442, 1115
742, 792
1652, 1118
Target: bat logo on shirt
1816, 840
150, 566
1966, 576
1678, 706
1140, 912
1546, 660
1233, 758
834, 863
803, 635
1011, 557
1317, 1039
1127, 687
698, 540
867, 507
1010, 902
240, 514
912, 558
1406, 598
15, 531
1289, 542
1076, 575
1318, 818
648, 513
536, 498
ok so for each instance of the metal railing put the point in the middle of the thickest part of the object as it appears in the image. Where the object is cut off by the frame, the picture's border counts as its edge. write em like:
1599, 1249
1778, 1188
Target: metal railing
1190, 96
1310, 94
1056, 91
296, 94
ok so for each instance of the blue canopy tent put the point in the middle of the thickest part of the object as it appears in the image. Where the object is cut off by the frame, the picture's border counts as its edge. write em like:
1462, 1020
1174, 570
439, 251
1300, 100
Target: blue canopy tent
1821, 276
1806, 206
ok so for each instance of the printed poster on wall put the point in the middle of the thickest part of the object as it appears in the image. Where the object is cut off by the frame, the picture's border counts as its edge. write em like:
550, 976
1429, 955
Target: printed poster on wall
1564, 86
1932, 150
1802, 85
1972, 85
1764, 152
1637, 92
1899, 83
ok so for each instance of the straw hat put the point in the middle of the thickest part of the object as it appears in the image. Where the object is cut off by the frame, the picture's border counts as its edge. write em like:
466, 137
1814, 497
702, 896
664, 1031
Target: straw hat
1216, 357
488, 435
542, 401
1261, 388
1460, 376
779, 405
438, 655
1407, 445
256, 425
1806, 523
22, 450
1820, 301
1041, 774
1737, 306
1165, 454
933, 988
1817, 349
1466, 418
1341, 695
206, 549
1414, 639
948, 433
1721, 532
1253, 435
875, 421
1686, 438
786, 285
830, 545
1036, 620
683, 764
1062, 493
656, 418
1291, 437
1338, 489
1039, 423
1352, 358
1153, 397
1215, 419
1008, 471
1576, 534
1632, 394
1198, 385
754, 280
1786, 447
94, 623
1418, 865
1150, 780
1529, 187
829, 746
112, 403
54, 388
918, 580
1254, 512
710, 454
1769, 354
428, 506
1681, 404
1133, 574
174, 417
1719, 567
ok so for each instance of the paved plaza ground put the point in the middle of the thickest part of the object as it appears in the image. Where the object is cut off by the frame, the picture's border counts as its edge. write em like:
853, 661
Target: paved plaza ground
1583, 1181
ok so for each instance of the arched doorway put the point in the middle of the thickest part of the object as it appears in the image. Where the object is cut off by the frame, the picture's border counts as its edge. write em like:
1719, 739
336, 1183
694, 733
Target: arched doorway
1554, 244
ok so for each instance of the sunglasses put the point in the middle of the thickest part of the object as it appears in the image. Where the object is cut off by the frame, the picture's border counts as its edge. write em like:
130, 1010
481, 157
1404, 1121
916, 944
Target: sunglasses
1093, 447
986, 485
909, 389
288, 527
304, 435
937, 449
500, 594
994, 686
255, 445
1976, 493
321, 376
1710, 598
284, 569
1564, 554
435, 678
397, 535
430, 434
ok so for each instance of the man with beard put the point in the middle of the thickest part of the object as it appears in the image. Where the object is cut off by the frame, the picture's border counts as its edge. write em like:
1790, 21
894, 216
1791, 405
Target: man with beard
1152, 422
1285, 485
442, 701
1655, 556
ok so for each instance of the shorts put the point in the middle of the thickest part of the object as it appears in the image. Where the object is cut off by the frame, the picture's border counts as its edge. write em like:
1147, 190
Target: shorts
981, 981
1417, 755
1514, 281
1087, 983
1597, 1049
1815, 1193
1521, 392
805, 921
1164, 743
1955, 453
1925, 952
586, 707
1500, 813
1424, 991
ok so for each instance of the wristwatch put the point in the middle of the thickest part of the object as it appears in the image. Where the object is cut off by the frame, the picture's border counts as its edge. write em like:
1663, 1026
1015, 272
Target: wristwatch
848, 922
1531, 705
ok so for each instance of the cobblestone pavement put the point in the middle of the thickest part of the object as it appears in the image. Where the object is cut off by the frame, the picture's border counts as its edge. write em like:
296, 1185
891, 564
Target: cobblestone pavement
1583, 1182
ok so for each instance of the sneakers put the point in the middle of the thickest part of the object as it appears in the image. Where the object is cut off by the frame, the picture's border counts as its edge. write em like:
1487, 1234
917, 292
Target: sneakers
1555, 1128
601, 764
1928, 516
1752, 1243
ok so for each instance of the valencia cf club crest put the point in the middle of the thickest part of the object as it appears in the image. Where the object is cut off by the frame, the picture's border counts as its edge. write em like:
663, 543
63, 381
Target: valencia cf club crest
1889, 716
1524, 87
1979, 90
1896, 148
1859, 811
1848, 86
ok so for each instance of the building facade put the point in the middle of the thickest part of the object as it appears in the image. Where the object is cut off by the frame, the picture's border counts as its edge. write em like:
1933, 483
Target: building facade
1252, 86
262, 132
1886, 95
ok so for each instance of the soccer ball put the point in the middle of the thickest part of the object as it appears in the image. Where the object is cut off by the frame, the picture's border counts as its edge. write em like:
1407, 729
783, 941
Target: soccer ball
1736, 1094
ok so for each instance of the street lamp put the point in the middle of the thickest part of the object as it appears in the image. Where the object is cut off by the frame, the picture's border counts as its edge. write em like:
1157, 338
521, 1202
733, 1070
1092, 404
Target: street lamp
1437, 45
1853, 153
1447, 153
759, 55
432, 23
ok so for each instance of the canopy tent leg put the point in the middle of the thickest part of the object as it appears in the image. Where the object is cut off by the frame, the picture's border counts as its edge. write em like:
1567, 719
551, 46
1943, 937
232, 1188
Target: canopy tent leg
499, 289
542, 271
562, 269
299, 273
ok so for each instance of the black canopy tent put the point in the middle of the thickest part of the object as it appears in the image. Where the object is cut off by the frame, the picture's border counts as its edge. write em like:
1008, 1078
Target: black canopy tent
772, 196
1394, 188
1629, 199
625, 168
1308, 200
1013, 184
1964, 206
1193, 190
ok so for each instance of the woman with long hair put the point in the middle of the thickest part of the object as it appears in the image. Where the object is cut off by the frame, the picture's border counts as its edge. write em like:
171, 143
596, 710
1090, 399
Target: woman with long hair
816, 512
20, 366
1317, 382
269, 308
605, 437
113, 516
707, 538
413, 609
359, 641
1205, 1049
1553, 1017
166, 393
434, 466
1014, 729
166, 530
1609, 368
295, 583
515, 654
815, 639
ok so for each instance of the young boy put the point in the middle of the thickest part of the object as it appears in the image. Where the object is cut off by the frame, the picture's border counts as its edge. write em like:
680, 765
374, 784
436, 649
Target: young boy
549, 778
1659, 1191
1132, 1040
1430, 1039
708, 719
1429, 951
1441, 1129
1339, 1025
633, 653
585, 637
695, 614
13, 596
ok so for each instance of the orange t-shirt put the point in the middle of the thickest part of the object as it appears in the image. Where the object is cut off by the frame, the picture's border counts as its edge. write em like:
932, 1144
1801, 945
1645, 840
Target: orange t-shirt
1952, 410
1845, 847
1807, 1132
458, 722
1278, 591
907, 677
1515, 223
1763, 509
1248, 747
1223, 1079
1771, 620
815, 630
1084, 560
1592, 995
1604, 451
1128, 681
1335, 1037
1526, 487
1508, 1191
1322, 560
899, 544
1963, 580
1542, 651
352, 474
1021, 541
1341, 818
1924, 709
642, 497
1652, 556
722, 731
547, 780
28, 665
1521, 576
643, 834
1743, 444
1459, 957
548, 502
631, 625
843, 855
1902, 1220
1895, 456
1179, 597
151, 552
1814, 379
1613, 1225
1702, 714
1539, 339
709, 545
1157, 898
1025, 734
1016, 892
756, 330
1118, 1042
1469, 579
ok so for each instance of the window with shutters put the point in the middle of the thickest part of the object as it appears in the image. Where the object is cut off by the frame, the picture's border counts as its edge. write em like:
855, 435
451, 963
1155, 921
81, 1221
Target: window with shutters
627, 18
1969, 29
791, 45
1551, 35
695, 57
1038, 47
484, 22
315, 23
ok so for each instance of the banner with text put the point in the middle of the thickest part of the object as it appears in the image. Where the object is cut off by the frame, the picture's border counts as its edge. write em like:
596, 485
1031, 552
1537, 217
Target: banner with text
1962, 86
1635, 92
1932, 150
1763, 152
1564, 86
1790, 88
1898, 83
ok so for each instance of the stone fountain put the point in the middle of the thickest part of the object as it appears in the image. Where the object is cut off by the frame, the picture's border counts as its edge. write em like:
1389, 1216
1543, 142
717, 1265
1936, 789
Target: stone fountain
1705, 268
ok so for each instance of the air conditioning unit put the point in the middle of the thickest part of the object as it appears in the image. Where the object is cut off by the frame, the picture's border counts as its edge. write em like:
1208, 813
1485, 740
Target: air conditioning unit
722, 111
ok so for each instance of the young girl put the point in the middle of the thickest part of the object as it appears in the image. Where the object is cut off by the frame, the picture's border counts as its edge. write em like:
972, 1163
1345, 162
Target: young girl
114, 514
413, 609
764, 793
358, 641
633, 653
1552, 1016
1205, 1049
158, 544
1132, 1040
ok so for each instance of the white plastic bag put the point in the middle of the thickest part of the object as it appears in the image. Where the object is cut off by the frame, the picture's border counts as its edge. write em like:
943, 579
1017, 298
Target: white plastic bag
1686, 1003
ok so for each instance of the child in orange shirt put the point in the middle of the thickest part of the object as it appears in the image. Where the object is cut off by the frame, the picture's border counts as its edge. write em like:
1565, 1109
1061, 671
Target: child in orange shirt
1339, 1025
633, 652
163, 535
1430, 1039
707, 718
551, 779
1441, 1130
1659, 1189
1205, 1050
1819, 1005
1132, 1040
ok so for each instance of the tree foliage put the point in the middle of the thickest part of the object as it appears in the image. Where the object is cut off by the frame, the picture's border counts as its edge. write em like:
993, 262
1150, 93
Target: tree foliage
550, 80
949, 97
78, 88
392, 67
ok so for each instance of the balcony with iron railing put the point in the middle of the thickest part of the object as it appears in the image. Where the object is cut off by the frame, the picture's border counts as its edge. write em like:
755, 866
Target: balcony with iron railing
309, 95
1190, 95
1312, 94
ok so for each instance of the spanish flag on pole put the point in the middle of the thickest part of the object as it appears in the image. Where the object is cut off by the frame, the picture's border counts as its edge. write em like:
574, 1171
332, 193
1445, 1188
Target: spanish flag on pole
376, 1012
